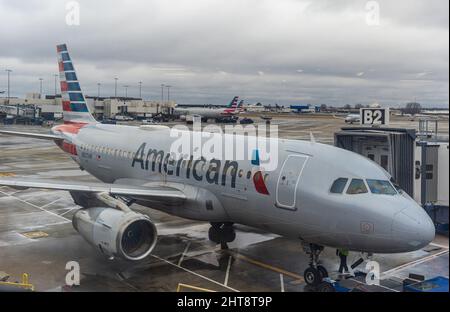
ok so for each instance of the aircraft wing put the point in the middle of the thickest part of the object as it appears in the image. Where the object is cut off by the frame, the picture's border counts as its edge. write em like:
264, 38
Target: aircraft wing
32, 135
155, 193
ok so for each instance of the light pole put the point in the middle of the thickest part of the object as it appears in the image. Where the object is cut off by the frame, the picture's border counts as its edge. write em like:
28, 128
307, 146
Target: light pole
98, 90
8, 94
168, 92
126, 90
56, 77
115, 86
40, 87
162, 93
140, 90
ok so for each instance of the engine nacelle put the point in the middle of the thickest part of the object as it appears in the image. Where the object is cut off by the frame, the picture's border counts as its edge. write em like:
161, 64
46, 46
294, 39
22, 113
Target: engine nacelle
128, 235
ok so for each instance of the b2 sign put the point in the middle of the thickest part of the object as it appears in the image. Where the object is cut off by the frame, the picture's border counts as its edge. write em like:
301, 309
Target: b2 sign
374, 116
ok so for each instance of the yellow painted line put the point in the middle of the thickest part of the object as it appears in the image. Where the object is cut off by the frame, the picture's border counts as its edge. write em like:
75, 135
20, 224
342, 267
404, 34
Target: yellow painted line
25, 283
36, 234
181, 285
268, 266
7, 174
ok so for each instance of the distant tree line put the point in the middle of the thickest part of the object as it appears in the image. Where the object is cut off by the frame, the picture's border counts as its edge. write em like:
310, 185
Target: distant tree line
412, 108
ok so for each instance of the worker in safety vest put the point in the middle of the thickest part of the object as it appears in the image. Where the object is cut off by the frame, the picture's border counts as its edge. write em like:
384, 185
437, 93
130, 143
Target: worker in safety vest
343, 254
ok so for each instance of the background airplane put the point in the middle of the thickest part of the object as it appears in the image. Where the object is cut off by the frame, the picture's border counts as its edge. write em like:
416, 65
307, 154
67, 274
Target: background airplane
209, 112
318, 194
352, 118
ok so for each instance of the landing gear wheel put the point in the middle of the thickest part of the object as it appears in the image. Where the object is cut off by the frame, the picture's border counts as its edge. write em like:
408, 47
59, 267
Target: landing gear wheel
323, 272
222, 233
214, 235
325, 287
312, 276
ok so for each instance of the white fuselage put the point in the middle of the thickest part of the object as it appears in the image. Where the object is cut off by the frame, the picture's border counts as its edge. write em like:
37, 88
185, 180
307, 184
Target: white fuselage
298, 202
205, 112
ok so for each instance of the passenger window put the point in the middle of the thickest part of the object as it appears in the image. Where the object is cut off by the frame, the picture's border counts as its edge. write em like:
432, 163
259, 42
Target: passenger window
357, 186
381, 187
338, 186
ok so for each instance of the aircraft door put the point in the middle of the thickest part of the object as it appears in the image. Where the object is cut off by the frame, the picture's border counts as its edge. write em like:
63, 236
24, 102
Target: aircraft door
288, 181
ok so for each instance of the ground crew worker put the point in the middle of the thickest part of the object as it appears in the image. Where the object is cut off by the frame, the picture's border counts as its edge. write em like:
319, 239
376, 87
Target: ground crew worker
343, 254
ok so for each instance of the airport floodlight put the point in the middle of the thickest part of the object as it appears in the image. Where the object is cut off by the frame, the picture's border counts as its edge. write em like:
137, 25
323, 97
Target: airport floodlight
126, 90
8, 71
168, 92
40, 87
115, 86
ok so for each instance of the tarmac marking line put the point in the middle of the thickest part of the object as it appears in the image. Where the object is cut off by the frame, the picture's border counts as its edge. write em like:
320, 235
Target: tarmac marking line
33, 205
46, 205
412, 263
69, 210
439, 245
227, 274
282, 282
269, 267
194, 273
184, 253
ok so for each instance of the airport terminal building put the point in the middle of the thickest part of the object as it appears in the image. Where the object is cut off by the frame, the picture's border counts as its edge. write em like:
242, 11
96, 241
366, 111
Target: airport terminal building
50, 107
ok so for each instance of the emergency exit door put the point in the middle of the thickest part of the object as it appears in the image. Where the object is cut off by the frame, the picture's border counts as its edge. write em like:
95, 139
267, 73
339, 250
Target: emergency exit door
288, 181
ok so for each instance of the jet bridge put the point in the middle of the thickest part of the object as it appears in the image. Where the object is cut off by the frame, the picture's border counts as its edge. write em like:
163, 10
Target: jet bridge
417, 160
391, 148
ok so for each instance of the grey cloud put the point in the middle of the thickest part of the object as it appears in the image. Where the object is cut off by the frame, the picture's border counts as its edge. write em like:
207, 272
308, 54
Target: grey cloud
213, 50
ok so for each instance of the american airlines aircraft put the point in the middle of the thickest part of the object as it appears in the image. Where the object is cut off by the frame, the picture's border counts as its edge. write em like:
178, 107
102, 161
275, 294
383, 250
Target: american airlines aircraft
351, 118
210, 112
317, 194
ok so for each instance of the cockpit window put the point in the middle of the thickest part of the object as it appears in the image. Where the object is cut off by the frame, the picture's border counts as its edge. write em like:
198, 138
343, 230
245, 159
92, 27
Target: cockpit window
338, 186
357, 186
397, 187
381, 187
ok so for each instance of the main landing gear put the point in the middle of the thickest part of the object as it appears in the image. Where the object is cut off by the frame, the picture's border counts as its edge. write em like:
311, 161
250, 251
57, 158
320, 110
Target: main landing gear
222, 233
315, 273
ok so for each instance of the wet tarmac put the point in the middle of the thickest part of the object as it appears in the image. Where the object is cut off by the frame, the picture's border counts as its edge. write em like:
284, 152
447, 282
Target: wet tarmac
37, 237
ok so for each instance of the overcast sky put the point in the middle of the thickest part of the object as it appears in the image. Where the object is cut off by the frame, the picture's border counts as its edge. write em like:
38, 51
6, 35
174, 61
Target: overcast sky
273, 51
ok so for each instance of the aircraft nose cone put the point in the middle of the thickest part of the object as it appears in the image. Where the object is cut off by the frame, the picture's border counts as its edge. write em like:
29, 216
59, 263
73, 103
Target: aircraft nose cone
414, 230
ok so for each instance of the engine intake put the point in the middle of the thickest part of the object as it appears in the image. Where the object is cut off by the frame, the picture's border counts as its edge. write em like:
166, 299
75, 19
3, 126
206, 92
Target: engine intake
128, 235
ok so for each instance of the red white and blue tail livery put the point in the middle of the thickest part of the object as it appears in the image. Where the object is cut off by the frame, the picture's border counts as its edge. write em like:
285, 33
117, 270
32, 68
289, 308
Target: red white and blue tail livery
74, 103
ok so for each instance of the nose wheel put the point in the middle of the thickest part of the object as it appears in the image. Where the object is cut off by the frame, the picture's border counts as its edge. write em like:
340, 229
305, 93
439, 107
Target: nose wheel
315, 273
222, 233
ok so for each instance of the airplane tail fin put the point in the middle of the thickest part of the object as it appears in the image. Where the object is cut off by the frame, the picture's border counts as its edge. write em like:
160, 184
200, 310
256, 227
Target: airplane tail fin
240, 106
233, 103
74, 104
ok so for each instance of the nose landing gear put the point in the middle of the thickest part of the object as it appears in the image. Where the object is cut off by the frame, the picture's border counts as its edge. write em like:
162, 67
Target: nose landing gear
315, 273
222, 233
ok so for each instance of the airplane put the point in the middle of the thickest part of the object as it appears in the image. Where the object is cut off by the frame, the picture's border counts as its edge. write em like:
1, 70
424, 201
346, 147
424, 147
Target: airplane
240, 107
318, 194
351, 118
210, 112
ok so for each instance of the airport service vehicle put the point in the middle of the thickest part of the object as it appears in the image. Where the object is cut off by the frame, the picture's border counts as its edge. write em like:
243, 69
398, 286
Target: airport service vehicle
246, 121
351, 118
317, 194
148, 121
227, 119
123, 118
210, 112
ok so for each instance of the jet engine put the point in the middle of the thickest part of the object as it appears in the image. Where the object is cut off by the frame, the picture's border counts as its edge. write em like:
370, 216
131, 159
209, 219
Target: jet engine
125, 234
